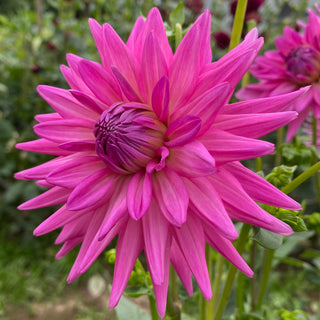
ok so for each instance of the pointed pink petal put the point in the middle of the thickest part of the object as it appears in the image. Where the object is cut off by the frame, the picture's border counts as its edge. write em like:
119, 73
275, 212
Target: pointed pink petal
65, 130
172, 195
100, 82
160, 99
60, 218
52, 197
191, 160
42, 146
155, 233
116, 210
225, 248
79, 146
206, 202
190, 238
270, 104
92, 229
135, 34
193, 52
67, 247
48, 117
65, 104
97, 245
130, 93
225, 147
260, 189
153, 67
253, 125
139, 194
96, 31
71, 173
90, 190
87, 100
296, 124
116, 53
182, 130
180, 265
161, 291
207, 105
130, 244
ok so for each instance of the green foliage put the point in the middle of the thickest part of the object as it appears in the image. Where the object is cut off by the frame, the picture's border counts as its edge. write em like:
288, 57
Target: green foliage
281, 176
177, 15
295, 315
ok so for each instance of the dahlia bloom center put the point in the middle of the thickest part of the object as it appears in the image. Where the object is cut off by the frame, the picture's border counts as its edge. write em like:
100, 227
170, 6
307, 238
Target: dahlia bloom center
127, 136
303, 64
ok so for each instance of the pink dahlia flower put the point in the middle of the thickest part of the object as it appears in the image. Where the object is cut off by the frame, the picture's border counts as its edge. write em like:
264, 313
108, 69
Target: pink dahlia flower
148, 150
295, 64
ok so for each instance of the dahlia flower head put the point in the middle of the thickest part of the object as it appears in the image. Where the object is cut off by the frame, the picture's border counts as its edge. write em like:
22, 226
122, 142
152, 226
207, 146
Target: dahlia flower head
293, 65
147, 149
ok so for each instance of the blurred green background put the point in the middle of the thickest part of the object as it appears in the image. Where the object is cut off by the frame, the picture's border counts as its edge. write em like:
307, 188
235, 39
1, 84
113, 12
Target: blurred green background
34, 39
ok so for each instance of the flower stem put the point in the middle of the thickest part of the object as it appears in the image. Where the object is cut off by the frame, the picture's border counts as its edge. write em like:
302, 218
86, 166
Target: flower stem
173, 309
238, 23
217, 283
280, 132
265, 273
153, 308
315, 143
242, 240
253, 256
301, 178
178, 34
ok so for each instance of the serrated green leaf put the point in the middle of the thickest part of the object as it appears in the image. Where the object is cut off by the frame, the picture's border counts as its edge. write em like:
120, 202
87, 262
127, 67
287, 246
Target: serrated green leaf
268, 239
177, 15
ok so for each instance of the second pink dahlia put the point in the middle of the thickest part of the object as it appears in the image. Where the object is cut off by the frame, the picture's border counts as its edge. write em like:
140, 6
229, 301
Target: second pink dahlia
293, 65
147, 149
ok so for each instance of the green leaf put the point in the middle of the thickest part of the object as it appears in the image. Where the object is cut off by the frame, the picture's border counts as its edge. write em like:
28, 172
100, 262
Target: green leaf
137, 291
177, 15
267, 238
281, 176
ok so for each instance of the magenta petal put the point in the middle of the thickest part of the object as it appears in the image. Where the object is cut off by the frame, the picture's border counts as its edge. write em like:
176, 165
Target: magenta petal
253, 125
130, 244
226, 147
90, 190
260, 189
181, 266
139, 194
68, 246
58, 219
172, 195
225, 248
190, 238
161, 290
182, 130
87, 100
126, 87
136, 31
65, 104
52, 197
207, 105
71, 173
155, 233
191, 160
207, 203
43, 146
100, 82
153, 67
160, 99
117, 208
65, 130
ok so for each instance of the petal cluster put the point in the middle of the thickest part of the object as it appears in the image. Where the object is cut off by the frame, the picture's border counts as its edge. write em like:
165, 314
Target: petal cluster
294, 64
147, 149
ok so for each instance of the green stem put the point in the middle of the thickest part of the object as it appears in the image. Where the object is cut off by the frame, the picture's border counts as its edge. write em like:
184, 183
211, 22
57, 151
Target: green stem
210, 271
173, 309
265, 273
258, 164
217, 283
301, 178
240, 293
315, 143
253, 280
153, 308
280, 133
203, 308
238, 23
242, 240
178, 34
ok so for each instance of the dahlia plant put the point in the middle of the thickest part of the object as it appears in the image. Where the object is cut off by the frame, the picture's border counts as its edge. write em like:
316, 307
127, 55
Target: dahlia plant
147, 149
293, 65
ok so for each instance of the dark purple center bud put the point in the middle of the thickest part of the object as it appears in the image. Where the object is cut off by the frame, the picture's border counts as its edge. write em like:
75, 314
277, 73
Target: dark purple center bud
127, 136
303, 65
